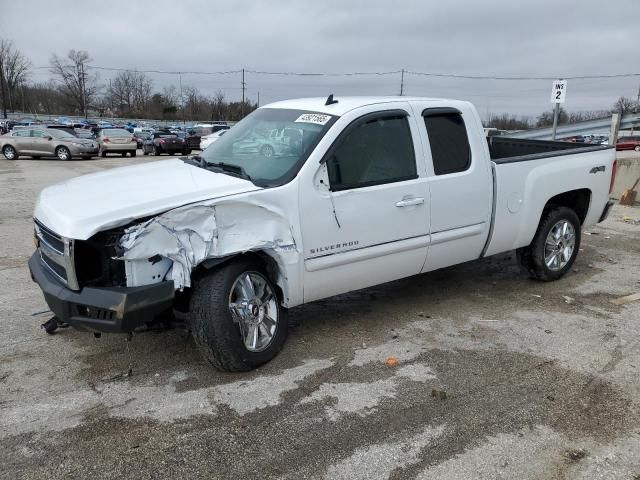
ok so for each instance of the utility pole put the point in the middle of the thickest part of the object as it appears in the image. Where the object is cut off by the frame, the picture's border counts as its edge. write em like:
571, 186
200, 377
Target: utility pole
83, 98
244, 86
3, 89
258, 99
556, 111
402, 82
181, 97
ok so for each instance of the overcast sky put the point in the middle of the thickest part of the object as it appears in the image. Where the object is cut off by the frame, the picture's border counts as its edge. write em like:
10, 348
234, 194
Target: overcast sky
554, 38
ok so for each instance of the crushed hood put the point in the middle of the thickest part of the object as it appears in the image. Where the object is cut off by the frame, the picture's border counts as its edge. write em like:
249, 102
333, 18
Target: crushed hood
82, 206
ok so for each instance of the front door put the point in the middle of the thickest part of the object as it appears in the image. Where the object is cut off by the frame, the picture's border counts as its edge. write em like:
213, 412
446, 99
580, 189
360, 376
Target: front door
365, 218
41, 145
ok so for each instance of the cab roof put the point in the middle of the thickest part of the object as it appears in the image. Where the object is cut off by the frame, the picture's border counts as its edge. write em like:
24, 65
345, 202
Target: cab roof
346, 104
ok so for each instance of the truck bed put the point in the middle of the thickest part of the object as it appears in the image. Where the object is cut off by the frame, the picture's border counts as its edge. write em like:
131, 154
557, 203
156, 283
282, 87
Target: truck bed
507, 150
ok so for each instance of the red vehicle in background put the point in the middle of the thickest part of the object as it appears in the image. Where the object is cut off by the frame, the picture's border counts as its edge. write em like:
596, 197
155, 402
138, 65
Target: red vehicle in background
629, 142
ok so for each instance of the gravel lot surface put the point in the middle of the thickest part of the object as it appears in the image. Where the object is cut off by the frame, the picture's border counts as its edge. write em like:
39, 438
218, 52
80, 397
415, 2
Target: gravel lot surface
497, 376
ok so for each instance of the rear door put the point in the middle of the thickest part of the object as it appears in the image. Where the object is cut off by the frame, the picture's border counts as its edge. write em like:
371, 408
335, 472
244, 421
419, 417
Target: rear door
369, 225
23, 141
460, 183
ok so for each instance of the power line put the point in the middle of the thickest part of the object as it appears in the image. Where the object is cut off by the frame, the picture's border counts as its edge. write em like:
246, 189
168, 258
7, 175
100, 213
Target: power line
353, 74
488, 77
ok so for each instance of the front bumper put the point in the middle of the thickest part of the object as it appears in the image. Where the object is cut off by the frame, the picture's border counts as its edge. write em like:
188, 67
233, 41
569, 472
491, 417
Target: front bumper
118, 147
606, 211
102, 309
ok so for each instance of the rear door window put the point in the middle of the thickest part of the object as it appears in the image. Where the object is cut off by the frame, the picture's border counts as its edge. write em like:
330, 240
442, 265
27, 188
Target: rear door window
450, 150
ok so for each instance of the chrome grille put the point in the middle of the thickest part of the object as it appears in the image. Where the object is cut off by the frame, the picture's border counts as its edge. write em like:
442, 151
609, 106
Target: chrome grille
56, 255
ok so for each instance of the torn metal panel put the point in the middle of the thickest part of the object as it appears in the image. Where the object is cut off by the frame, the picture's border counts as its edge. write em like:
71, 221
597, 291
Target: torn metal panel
189, 235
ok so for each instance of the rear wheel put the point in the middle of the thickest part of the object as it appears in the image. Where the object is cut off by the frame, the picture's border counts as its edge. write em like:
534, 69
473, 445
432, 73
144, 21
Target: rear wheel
63, 153
124, 154
637, 149
555, 245
103, 153
134, 153
156, 151
236, 317
9, 152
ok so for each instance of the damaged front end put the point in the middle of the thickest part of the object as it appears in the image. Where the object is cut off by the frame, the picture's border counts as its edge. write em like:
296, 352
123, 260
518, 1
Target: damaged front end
131, 275
171, 245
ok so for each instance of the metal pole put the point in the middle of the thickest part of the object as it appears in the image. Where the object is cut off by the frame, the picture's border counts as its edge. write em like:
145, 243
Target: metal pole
243, 87
402, 82
556, 111
181, 97
258, 99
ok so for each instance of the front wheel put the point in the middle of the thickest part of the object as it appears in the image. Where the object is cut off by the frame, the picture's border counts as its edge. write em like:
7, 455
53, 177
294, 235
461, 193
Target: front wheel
637, 149
9, 152
63, 153
134, 153
555, 245
236, 317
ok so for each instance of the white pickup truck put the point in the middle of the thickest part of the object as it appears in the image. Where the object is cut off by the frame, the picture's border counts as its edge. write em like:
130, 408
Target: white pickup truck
361, 191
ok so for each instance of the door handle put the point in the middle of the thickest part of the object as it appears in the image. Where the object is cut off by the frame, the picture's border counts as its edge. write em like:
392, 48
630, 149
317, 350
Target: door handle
407, 202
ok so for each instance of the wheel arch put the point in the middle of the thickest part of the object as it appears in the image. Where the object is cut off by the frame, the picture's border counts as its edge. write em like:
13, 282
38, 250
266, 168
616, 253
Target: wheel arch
577, 200
267, 261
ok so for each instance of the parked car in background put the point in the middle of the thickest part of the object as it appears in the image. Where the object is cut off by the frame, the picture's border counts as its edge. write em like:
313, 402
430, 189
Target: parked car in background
141, 136
203, 129
628, 142
84, 133
116, 140
191, 139
209, 139
164, 142
46, 142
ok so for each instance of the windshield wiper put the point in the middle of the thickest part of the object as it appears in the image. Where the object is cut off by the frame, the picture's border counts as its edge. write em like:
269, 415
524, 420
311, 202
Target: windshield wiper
228, 168
235, 170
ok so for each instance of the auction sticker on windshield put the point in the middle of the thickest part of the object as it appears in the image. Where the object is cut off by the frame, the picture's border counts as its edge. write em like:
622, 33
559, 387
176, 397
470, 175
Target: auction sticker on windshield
316, 118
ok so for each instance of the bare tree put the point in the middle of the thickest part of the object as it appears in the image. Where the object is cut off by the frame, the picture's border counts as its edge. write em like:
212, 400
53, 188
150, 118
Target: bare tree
14, 71
75, 83
624, 105
545, 119
218, 106
130, 91
506, 121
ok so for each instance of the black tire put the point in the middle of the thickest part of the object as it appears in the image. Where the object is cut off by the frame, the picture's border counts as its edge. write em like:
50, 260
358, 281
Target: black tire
144, 152
36, 157
637, 148
215, 332
156, 151
103, 153
9, 152
532, 257
124, 154
134, 153
63, 153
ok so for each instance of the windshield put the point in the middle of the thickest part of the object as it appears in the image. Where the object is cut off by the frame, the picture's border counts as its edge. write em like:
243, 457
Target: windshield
271, 144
